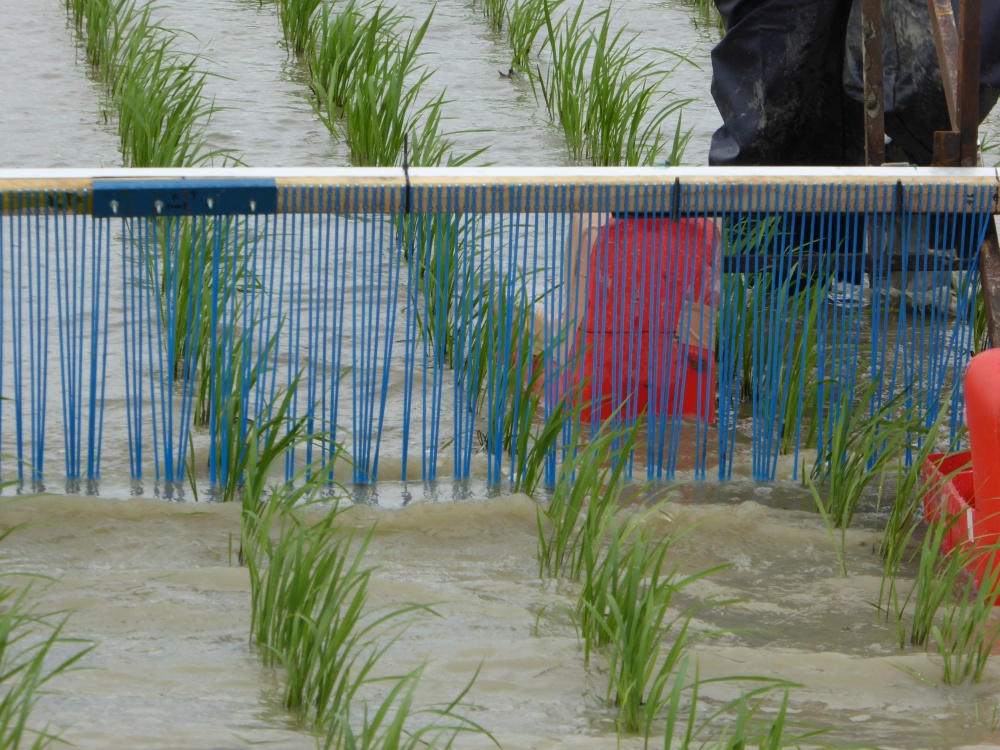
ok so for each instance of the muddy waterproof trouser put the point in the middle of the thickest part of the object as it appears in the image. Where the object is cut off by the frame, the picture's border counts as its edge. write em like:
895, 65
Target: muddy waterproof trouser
787, 97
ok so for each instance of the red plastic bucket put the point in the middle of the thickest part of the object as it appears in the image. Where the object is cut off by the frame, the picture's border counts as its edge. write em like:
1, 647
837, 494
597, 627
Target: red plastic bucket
647, 338
982, 416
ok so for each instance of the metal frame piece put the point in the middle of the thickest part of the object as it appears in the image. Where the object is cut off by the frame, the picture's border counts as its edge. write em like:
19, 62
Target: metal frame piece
871, 66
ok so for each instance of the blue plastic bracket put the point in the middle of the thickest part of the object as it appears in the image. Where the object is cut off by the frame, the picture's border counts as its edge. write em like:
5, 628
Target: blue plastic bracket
201, 197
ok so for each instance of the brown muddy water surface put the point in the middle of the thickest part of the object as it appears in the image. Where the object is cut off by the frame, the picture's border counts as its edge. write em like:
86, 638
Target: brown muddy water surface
153, 583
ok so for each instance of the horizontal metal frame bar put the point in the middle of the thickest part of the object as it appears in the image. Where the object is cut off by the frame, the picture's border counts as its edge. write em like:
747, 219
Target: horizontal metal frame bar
704, 190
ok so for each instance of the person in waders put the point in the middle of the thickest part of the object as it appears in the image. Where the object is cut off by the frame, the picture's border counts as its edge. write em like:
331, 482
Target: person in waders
787, 80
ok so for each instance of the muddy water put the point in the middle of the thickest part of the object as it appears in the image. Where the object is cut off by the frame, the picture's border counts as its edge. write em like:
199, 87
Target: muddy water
153, 583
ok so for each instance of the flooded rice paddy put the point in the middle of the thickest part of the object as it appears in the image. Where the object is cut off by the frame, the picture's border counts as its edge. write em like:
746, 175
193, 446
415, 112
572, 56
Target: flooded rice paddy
156, 585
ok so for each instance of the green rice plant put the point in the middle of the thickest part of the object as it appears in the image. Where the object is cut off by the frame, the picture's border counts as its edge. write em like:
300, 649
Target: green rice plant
160, 105
495, 12
434, 245
935, 579
966, 635
526, 19
637, 623
258, 449
156, 93
774, 297
687, 729
198, 269
385, 111
347, 46
799, 399
33, 652
980, 330
309, 588
865, 439
388, 727
572, 527
905, 516
106, 27
707, 15
296, 17
610, 105
519, 384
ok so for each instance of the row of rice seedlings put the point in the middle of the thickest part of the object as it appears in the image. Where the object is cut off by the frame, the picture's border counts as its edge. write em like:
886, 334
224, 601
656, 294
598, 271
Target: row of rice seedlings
344, 46
955, 616
369, 88
937, 574
964, 635
573, 525
523, 19
34, 651
389, 725
625, 605
506, 338
309, 590
769, 294
157, 93
610, 105
368, 82
158, 97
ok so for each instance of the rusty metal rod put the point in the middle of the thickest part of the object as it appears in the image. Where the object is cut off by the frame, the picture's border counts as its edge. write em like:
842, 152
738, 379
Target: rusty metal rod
871, 66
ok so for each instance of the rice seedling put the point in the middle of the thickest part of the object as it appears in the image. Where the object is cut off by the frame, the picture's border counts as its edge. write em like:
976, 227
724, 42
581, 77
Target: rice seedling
309, 588
296, 17
785, 308
572, 527
526, 19
157, 94
610, 105
311, 617
435, 245
686, 730
965, 635
636, 623
935, 579
389, 726
495, 12
904, 517
707, 15
384, 109
344, 47
260, 447
160, 104
865, 439
309, 591
980, 331
33, 651
505, 340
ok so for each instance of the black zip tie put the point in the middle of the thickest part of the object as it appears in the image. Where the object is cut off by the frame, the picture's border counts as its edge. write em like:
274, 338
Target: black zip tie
406, 174
675, 200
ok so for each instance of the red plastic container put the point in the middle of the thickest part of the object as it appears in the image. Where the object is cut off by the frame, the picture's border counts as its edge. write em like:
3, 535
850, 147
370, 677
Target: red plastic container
967, 484
644, 349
